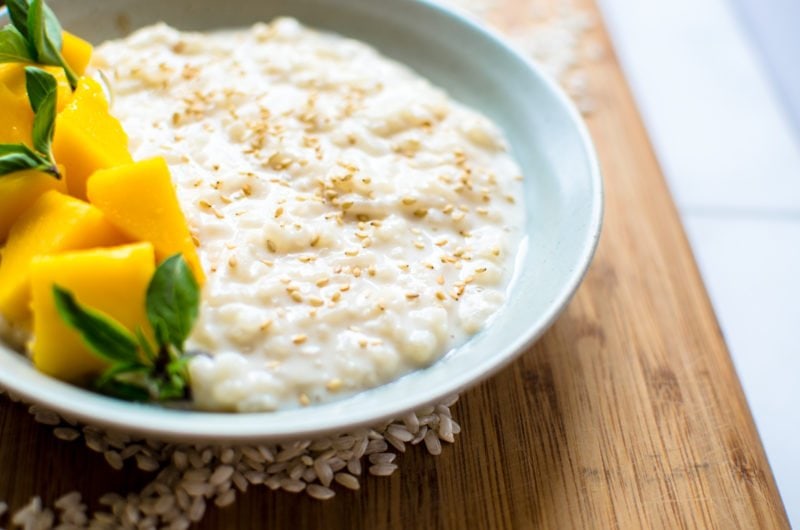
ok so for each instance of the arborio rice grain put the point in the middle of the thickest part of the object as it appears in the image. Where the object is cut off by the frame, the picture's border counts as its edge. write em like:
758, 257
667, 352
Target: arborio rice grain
180, 492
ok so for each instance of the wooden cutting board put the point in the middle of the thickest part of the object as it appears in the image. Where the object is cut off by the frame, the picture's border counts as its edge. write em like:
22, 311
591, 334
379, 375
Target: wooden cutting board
627, 414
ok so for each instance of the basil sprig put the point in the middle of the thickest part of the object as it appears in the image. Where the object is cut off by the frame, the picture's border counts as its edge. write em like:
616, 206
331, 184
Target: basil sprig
139, 370
34, 36
42, 94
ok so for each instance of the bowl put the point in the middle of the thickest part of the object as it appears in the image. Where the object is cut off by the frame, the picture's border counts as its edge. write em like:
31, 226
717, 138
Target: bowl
562, 196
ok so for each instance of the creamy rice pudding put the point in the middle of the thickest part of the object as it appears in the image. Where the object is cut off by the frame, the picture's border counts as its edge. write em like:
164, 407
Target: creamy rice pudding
355, 223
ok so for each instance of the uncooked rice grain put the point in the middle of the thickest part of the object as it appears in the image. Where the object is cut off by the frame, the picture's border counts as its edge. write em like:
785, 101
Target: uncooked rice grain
320, 492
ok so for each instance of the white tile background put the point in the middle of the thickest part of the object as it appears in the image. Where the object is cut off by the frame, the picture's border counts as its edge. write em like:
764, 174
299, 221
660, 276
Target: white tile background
718, 85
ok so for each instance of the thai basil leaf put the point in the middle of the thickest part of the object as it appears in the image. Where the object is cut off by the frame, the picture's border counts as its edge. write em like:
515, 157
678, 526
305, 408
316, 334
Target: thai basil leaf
13, 47
102, 334
123, 390
42, 92
20, 157
118, 370
18, 11
44, 32
173, 302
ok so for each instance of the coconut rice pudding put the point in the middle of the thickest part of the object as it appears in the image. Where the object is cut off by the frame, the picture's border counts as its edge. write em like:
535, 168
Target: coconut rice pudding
354, 222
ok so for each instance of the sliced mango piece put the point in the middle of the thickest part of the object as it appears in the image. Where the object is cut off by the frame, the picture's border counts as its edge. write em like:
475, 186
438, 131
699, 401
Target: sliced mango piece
111, 280
88, 137
16, 120
12, 76
140, 200
18, 191
75, 51
54, 223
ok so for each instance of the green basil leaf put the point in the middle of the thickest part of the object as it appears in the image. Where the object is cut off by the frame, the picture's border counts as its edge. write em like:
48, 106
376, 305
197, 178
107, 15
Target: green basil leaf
106, 337
173, 302
44, 32
18, 11
20, 157
120, 369
172, 388
123, 390
53, 27
42, 92
14, 47
40, 86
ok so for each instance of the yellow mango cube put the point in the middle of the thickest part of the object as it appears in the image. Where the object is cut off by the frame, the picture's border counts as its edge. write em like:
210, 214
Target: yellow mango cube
16, 119
18, 191
140, 200
88, 137
76, 52
12, 76
54, 223
111, 280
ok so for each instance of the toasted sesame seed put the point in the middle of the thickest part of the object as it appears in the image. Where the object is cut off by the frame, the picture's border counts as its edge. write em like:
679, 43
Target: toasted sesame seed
440, 295
322, 282
297, 297
316, 301
440, 280
299, 339
412, 296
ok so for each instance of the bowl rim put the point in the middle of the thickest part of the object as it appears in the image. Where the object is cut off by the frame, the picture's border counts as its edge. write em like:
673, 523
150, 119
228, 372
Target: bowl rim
216, 427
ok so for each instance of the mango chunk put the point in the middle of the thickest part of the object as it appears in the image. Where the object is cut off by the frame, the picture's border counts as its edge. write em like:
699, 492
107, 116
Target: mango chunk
140, 200
16, 119
111, 280
88, 137
75, 51
18, 191
54, 223
12, 76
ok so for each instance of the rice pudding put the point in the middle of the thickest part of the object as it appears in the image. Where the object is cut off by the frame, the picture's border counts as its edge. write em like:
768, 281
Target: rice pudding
354, 222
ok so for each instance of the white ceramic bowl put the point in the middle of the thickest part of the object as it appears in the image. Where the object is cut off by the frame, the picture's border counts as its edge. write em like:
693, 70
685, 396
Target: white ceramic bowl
562, 195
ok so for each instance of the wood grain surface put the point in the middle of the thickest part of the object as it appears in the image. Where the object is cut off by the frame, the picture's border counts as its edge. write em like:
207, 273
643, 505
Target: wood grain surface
627, 414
